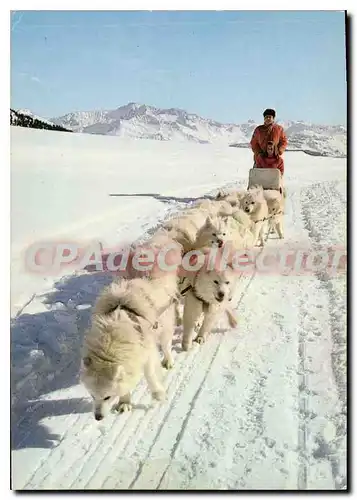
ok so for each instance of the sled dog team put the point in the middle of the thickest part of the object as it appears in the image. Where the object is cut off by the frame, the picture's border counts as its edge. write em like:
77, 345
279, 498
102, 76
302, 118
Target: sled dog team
133, 317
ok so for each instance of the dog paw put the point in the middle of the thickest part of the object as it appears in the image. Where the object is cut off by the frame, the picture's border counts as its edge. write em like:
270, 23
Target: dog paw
167, 363
186, 346
233, 323
159, 395
200, 339
123, 407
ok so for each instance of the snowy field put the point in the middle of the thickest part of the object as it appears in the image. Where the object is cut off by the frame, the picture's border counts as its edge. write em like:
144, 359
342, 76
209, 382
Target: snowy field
259, 407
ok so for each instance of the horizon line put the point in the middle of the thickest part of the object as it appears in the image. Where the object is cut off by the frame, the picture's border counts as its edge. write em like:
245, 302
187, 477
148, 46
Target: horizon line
93, 110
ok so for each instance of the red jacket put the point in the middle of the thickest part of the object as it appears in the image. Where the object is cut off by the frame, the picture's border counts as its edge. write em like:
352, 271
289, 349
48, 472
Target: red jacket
272, 162
265, 133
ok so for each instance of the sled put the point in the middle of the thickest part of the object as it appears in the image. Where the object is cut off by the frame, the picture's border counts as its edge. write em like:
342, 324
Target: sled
268, 178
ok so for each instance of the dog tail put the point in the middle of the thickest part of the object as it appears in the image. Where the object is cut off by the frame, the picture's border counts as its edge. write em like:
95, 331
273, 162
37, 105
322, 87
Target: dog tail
110, 299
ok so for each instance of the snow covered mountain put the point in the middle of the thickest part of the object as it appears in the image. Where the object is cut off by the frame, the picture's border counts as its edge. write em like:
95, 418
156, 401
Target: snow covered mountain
141, 121
25, 118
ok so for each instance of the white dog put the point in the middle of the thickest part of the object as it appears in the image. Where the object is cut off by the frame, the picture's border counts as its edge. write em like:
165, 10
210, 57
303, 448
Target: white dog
130, 318
276, 202
215, 208
255, 205
232, 197
210, 293
236, 229
242, 229
214, 233
183, 228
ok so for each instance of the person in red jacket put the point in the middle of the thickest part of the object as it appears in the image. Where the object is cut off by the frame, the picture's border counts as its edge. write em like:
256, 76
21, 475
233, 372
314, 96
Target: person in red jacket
270, 131
270, 159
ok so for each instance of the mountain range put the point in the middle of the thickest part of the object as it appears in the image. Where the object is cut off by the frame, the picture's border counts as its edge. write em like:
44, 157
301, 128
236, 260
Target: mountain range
141, 121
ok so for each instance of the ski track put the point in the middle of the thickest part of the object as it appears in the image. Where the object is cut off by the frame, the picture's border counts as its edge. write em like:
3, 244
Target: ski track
263, 384
325, 229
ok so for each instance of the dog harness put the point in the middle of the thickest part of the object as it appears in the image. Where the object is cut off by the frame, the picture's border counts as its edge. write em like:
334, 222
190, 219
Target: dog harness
269, 217
134, 314
205, 304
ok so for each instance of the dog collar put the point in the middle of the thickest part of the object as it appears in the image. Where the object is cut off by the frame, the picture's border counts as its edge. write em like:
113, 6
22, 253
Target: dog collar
194, 292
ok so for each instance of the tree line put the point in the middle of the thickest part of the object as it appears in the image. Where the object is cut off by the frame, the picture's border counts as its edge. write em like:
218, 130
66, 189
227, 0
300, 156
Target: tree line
21, 120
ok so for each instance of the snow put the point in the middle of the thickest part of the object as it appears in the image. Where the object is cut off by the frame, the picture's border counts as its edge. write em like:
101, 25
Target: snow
259, 407
35, 117
142, 121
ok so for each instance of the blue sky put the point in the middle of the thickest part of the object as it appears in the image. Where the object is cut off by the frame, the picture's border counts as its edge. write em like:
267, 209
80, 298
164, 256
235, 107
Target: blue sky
224, 65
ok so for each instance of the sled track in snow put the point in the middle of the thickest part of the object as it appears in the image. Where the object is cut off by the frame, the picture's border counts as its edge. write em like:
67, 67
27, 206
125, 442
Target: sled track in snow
44, 476
176, 382
335, 287
303, 395
80, 468
329, 192
140, 449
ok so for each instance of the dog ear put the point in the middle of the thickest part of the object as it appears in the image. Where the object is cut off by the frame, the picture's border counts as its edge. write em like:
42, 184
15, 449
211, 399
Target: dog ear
233, 272
230, 266
119, 372
208, 222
